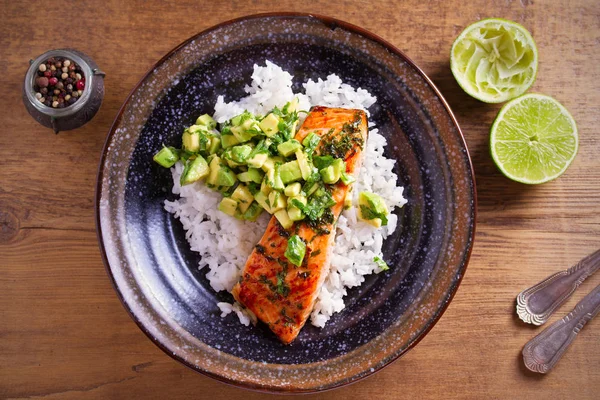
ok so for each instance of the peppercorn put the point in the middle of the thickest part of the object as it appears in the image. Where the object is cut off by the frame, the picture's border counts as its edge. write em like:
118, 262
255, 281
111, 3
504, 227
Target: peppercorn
42, 67
52, 81
80, 84
67, 63
44, 90
42, 81
55, 104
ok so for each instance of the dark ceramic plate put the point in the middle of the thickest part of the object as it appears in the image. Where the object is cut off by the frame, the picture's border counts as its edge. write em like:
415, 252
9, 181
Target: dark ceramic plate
154, 271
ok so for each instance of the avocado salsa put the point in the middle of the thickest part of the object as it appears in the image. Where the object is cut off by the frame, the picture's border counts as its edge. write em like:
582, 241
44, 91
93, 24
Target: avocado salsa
256, 164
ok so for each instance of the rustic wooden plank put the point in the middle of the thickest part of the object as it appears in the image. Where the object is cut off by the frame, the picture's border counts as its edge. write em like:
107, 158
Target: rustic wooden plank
64, 333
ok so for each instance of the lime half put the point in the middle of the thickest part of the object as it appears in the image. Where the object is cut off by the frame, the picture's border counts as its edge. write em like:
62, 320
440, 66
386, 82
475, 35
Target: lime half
494, 60
533, 139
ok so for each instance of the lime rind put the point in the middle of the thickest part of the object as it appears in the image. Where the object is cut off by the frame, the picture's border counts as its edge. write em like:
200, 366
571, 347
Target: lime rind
533, 139
494, 60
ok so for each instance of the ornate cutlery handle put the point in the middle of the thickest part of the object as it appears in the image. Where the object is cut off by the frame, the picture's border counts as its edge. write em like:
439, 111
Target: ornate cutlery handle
536, 304
544, 350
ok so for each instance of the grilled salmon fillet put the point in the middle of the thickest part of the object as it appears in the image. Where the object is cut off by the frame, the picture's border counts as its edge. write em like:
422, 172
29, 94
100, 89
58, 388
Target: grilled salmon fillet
279, 293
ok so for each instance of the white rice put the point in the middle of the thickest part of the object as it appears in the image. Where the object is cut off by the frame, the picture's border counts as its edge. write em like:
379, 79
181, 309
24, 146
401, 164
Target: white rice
225, 242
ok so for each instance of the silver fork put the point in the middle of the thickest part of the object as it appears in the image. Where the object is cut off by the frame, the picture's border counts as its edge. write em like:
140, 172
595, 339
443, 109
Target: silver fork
536, 304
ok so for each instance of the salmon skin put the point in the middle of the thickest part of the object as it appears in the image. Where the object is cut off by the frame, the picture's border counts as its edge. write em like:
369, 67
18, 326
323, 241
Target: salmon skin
279, 293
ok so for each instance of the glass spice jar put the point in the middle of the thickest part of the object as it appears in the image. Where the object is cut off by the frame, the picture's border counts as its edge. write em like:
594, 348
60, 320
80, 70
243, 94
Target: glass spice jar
76, 114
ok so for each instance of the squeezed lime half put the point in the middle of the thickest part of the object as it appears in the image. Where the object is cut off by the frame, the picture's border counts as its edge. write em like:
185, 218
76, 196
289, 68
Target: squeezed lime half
533, 139
494, 60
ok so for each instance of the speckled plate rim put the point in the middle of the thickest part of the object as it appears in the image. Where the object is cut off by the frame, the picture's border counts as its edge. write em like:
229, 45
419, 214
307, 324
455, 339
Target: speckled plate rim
332, 23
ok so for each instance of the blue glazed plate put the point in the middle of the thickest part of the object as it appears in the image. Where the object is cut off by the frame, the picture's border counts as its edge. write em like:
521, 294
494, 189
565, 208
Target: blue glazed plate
154, 271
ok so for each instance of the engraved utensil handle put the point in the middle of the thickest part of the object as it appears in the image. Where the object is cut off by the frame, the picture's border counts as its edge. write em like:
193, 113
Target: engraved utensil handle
544, 350
536, 304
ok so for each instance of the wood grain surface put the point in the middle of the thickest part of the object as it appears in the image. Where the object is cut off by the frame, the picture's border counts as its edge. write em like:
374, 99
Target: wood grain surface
63, 332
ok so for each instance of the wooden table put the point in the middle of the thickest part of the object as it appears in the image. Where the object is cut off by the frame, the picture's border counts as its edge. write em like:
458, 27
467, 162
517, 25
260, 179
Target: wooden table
63, 332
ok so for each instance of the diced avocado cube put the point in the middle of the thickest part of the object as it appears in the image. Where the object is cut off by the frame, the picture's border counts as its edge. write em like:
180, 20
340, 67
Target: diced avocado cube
295, 250
328, 175
347, 179
339, 165
372, 209
290, 172
240, 153
332, 173
225, 177
206, 120
291, 106
273, 178
270, 125
215, 145
251, 126
198, 129
295, 214
228, 206
215, 165
228, 140
277, 201
372, 201
268, 164
194, 170
232, 164
166, 157
252, 175
278, 182
191, 141
292, 189
264, 186
253, 212
302, 199
238, 119
303, 163
258, 160
240, 134
284, 219
263, 200
288, 148
242, 195
311, 141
